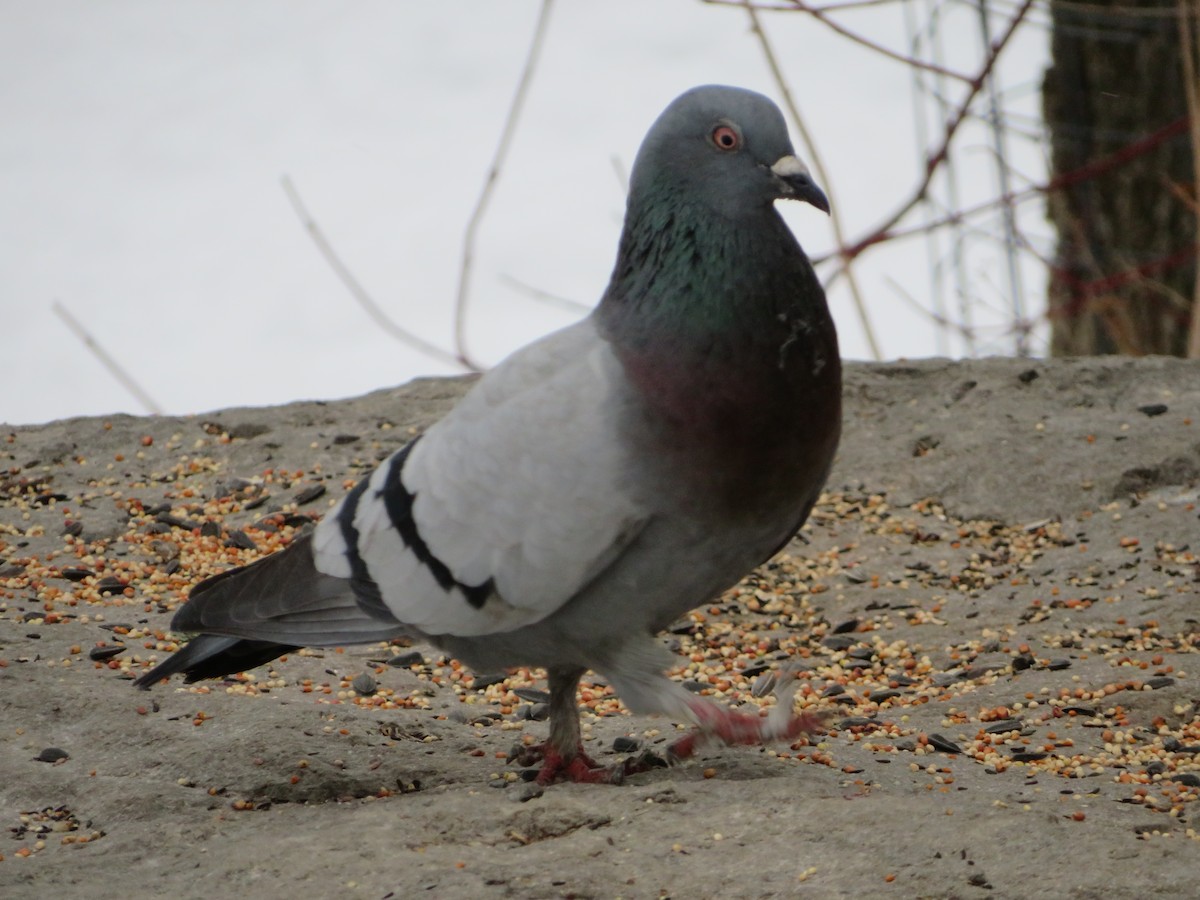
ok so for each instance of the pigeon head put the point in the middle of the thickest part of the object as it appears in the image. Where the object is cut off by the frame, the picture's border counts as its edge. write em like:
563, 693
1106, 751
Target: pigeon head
726, 148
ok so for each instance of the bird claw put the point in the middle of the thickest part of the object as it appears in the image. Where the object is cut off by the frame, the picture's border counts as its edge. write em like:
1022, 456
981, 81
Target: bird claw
739, 728
726, 725
578, 768
732, 727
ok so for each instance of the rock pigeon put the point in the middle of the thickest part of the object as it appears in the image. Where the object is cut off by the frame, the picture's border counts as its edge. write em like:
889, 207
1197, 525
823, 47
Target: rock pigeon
602, 481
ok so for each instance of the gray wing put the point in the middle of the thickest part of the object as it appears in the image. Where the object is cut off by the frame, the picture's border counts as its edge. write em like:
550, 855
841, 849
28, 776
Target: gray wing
506, 508
495, 518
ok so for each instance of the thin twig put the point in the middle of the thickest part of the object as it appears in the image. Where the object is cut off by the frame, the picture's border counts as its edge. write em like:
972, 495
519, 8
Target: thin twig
563, 303
107, 360
814, 158
358, 292
937, 318
1091, 169
510, 123
1100, 10
883, 231
818, 13
620, 172
792, 7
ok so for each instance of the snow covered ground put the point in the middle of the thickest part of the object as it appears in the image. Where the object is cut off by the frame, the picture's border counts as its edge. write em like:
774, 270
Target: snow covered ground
143, 144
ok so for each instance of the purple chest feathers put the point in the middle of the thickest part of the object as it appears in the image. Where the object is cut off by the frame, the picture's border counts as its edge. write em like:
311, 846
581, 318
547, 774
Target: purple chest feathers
749, 436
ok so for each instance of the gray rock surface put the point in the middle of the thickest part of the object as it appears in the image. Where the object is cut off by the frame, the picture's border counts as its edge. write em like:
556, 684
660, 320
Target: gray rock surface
1004, 543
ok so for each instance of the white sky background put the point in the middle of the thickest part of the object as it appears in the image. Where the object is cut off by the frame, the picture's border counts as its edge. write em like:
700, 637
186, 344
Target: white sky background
142, 145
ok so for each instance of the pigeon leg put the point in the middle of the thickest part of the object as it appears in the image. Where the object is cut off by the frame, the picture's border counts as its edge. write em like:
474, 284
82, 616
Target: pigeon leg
739, 728
562, 756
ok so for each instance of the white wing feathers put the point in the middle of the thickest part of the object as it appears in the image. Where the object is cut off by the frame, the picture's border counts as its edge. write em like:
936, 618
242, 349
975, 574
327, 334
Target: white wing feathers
506, 508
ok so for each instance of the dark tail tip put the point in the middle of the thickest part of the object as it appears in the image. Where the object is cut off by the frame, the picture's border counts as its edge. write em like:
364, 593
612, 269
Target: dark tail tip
213, 656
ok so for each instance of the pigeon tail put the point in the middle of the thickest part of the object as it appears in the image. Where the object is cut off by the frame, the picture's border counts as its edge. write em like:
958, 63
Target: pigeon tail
253, 614
213, 656
283, 598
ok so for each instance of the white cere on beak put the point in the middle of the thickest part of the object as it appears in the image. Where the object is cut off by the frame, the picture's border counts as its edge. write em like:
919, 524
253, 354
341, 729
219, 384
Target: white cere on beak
788, 166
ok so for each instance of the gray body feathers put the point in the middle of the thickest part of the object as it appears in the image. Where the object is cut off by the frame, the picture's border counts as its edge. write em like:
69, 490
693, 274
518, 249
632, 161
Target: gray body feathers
604, 480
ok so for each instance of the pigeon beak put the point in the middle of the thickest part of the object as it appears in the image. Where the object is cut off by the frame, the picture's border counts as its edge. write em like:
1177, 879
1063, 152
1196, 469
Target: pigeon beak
797, 183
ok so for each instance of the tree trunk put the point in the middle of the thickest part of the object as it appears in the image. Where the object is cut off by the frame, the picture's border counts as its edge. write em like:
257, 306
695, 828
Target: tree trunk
1114, 101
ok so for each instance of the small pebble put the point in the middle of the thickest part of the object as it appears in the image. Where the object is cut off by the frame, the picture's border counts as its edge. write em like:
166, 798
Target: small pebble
949, 677
528, 791
165, 518
839, 642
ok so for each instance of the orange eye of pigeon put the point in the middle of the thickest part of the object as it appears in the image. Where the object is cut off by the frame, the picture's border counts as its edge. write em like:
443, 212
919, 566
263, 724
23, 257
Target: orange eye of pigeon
726, 138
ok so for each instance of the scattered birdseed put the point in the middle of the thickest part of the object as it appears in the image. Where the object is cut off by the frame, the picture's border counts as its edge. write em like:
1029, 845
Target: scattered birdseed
1088, 678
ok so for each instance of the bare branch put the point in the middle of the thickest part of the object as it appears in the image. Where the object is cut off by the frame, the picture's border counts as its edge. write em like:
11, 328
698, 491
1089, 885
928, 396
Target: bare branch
845, 32
793, 7
1089, 170
107, 360
510, 124
820, 13
563, 303
620, 172
883, 231
937, 319
359, 293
